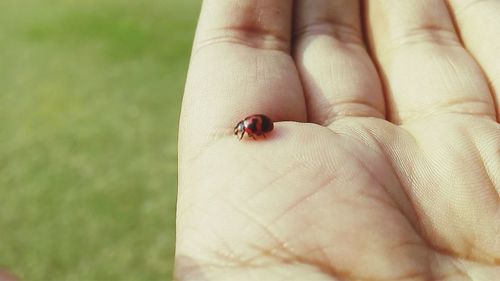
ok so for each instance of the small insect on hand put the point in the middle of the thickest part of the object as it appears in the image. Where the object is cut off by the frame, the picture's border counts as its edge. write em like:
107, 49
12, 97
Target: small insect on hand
254, 125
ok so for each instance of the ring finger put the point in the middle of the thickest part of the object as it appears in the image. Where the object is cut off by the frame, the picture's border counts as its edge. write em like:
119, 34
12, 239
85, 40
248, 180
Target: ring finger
423, 64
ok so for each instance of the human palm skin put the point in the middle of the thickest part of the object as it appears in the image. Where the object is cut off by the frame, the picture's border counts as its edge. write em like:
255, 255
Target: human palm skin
368, 175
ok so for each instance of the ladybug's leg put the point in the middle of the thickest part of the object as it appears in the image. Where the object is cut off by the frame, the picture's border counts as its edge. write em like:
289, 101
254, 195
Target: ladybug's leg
253, 137
242, 133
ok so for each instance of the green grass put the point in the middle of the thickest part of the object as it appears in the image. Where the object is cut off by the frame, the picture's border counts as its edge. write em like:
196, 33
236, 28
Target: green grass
90, 94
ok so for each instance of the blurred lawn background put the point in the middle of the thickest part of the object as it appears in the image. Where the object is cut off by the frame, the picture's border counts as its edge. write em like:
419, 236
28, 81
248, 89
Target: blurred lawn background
90, 95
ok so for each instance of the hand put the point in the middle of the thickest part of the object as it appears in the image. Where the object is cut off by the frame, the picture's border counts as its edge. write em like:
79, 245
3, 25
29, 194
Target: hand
384, 163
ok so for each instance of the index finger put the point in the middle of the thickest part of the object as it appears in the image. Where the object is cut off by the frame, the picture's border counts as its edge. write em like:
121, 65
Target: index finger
240, 66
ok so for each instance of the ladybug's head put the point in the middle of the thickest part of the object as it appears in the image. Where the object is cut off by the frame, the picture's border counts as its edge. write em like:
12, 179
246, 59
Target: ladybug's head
239, 129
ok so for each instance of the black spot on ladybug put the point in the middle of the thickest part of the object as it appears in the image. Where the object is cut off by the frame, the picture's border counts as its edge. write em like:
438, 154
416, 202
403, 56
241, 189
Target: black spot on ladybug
267, 124
253, 125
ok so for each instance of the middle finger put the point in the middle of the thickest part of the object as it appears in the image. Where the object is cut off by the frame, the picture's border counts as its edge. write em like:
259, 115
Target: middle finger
338, 75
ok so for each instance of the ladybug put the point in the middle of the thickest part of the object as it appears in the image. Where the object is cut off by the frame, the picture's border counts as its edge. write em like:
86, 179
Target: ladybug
254, 125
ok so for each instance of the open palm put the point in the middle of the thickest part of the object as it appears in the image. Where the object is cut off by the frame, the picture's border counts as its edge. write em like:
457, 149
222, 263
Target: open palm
368, 175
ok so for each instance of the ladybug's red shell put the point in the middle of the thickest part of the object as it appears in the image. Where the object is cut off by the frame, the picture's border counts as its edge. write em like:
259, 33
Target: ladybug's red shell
254, 125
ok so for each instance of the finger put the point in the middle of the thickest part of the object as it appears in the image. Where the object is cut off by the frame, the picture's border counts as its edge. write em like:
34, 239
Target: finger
425, 68
338, 75
240, 66
479, 26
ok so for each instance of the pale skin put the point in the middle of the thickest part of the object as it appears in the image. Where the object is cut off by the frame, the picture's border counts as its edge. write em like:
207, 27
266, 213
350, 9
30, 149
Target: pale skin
384, 163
